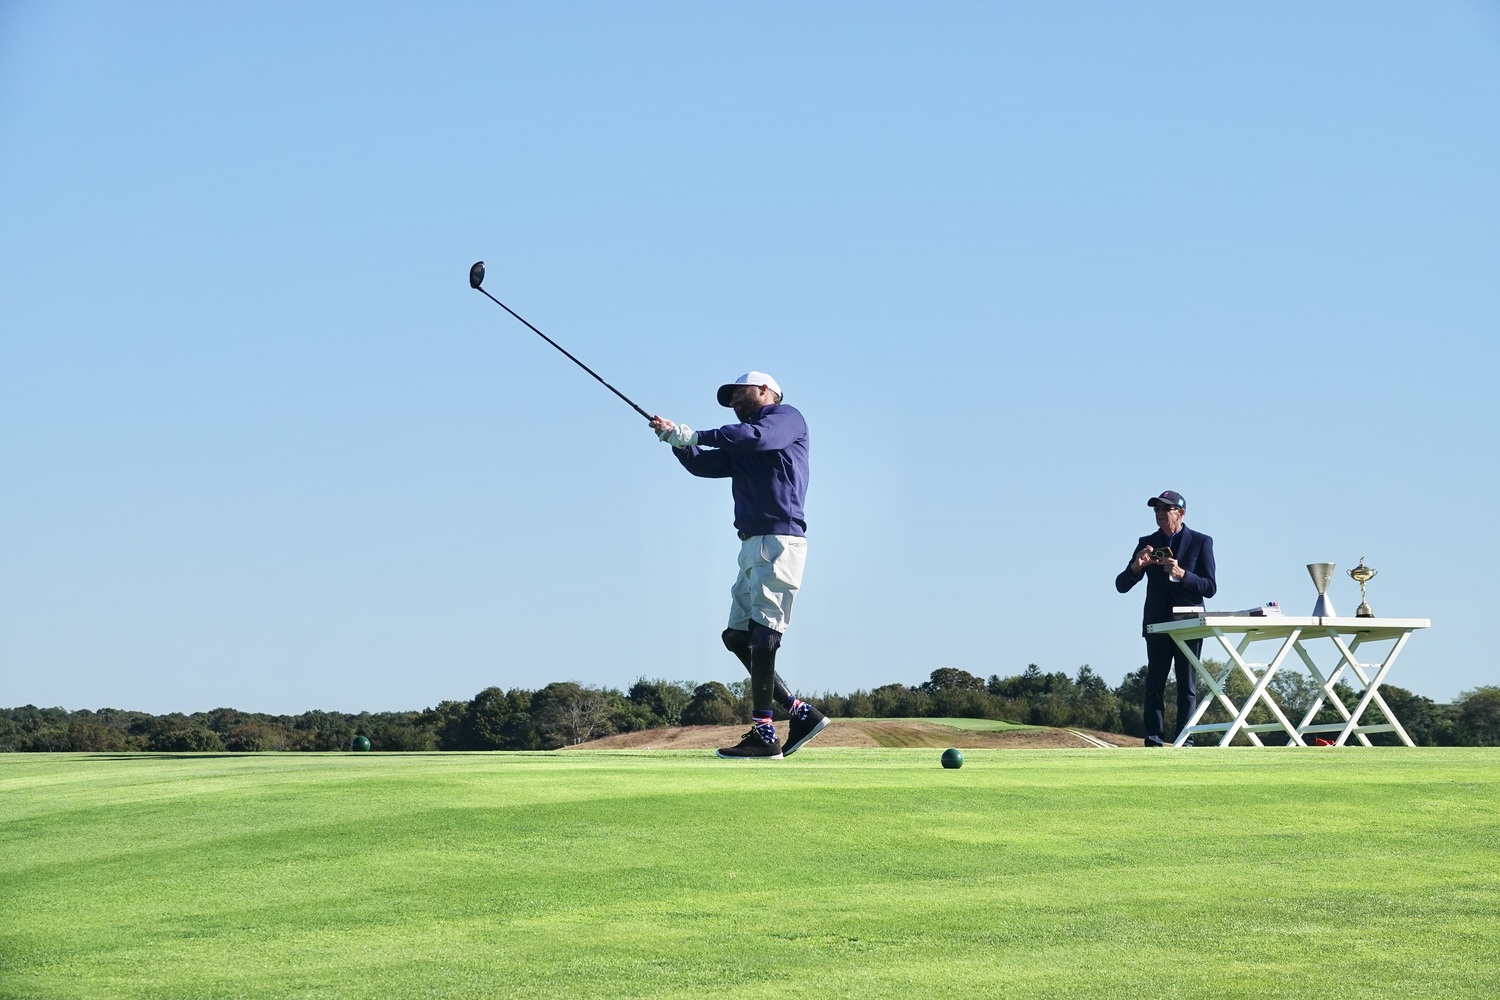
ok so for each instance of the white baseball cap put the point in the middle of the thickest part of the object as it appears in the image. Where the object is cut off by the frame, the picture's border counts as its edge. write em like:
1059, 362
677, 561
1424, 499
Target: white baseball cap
749, 378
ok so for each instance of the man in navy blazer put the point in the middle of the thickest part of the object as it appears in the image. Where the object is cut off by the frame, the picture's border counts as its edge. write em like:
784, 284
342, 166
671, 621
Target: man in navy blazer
1178, 564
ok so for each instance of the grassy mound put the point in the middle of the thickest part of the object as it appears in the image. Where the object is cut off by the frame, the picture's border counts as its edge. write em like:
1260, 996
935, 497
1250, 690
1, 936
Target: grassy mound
964, 733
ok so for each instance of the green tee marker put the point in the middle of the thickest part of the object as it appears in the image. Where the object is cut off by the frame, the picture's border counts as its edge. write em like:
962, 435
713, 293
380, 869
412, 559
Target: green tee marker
361, 743
953, 758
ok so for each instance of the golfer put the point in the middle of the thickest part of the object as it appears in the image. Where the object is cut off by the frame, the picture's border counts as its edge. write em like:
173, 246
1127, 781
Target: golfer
1178, 564
764, 457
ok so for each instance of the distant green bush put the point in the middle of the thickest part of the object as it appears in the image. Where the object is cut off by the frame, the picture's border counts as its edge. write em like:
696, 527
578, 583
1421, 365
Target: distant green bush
187, 739
713, 705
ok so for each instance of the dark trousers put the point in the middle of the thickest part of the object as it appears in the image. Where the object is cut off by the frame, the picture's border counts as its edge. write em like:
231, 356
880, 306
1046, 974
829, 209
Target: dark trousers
1162, 653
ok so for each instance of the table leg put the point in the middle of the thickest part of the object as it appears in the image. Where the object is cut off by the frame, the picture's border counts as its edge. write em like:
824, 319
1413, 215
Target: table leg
1215, 685
1328, 694
1372, 690
1258, 693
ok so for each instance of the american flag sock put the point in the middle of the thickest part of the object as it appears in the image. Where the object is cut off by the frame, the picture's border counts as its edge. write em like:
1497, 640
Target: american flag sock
796, 707
764, 726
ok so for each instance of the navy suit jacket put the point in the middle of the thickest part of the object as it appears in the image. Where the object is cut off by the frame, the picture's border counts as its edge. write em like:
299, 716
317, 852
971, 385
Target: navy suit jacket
1194, 552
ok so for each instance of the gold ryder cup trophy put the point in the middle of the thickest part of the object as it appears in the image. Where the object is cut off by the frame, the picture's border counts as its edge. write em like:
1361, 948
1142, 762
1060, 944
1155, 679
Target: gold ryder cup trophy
1362, 575
1321, 574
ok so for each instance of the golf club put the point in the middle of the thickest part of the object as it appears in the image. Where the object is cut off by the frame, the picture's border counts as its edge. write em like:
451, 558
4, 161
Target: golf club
476, 279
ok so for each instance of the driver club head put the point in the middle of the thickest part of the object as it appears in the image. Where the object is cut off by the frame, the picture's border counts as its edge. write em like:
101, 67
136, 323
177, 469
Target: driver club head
476, 279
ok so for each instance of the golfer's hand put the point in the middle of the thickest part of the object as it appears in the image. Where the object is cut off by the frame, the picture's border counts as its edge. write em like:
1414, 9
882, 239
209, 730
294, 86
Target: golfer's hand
1142, 560
661, 427
681, 436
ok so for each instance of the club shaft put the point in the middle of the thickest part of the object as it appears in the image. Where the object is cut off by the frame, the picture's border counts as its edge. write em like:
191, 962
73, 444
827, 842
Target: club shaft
569, 356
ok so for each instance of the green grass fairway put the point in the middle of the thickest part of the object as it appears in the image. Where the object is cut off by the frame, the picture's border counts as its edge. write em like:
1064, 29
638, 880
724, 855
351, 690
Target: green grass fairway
837, 873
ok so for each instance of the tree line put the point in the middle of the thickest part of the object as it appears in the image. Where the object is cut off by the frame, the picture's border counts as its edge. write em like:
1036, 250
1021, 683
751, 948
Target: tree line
566, 713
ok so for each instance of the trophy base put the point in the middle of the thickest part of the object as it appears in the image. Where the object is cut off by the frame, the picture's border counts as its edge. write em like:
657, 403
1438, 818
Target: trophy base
1363, 611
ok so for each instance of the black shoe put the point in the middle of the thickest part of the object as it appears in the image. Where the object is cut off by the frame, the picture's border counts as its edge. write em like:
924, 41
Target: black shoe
804, 729
754, 746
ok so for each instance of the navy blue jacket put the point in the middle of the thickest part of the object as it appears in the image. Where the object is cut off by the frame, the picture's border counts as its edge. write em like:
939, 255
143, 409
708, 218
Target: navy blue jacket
766, 463
1194, 552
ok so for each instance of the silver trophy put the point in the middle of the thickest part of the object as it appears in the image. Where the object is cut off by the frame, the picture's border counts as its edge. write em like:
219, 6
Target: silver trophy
1362, 575
1322, 574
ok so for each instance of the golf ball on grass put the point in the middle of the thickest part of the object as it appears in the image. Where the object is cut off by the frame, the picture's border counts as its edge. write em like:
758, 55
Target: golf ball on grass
953, 758
359, 743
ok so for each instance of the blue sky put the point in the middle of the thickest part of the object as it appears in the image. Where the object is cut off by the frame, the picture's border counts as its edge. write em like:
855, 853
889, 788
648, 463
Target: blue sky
1021, 266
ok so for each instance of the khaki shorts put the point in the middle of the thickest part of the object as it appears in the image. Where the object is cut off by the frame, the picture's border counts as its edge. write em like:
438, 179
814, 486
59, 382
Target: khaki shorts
770, 576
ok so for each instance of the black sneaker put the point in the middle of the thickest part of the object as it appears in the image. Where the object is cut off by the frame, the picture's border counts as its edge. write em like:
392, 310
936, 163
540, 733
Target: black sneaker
754, 746
809, 725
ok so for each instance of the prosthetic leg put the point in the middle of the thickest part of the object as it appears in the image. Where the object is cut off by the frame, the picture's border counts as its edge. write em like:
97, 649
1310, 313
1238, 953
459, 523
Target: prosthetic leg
756, 647
739, 642
758, 653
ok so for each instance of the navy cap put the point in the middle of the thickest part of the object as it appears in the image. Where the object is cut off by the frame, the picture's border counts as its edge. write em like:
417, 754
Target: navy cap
1167, 498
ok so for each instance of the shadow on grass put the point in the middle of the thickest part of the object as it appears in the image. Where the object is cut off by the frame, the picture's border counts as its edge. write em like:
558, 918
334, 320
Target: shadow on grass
126, 755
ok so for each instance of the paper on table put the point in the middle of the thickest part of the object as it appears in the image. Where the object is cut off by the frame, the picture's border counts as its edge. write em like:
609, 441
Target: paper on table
1263, 611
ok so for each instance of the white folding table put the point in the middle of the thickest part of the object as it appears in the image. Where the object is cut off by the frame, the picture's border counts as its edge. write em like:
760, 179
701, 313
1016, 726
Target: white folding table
1237, 632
